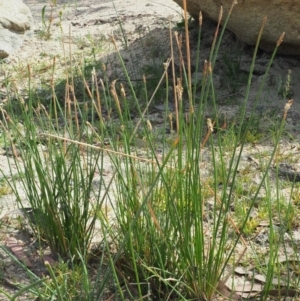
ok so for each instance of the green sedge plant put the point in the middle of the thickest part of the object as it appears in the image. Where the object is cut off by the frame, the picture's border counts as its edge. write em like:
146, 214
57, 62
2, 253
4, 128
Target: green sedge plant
58, 176
166, 227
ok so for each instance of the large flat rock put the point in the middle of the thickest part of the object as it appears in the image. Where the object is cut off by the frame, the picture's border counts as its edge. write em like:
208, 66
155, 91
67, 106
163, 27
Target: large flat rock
247, 17
15, 22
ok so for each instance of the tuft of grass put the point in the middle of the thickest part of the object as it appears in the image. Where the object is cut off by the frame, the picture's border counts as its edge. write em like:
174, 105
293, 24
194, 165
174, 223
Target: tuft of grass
4, 188
47, 21
58, 180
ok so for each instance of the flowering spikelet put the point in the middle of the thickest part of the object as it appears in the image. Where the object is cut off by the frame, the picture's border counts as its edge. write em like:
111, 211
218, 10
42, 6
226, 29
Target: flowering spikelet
287, 107
280, 40
200, 19
179, 89
149, 125
114, 94
123, 93
209, 125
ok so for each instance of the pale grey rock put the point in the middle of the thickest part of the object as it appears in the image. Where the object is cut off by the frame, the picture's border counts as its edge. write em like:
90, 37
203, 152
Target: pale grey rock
247, 16
15, 23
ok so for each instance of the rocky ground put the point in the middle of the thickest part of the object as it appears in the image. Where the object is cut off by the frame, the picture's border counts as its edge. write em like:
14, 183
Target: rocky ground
141, 30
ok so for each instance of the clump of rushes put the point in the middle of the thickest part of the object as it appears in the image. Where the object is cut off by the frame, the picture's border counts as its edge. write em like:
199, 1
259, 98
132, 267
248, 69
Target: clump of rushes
171, 242
58, 176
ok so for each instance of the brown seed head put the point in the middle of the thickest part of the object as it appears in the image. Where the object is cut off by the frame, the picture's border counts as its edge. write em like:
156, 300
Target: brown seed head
209, 67
209, 125
280, 40
200, 19
220, 14
123, 93
287, 107
149, 125
179, 89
